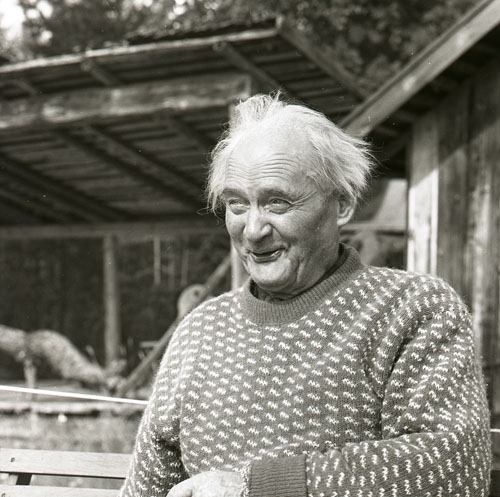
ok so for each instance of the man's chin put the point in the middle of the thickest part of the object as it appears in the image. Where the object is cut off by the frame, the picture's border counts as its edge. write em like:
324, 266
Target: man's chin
270, 285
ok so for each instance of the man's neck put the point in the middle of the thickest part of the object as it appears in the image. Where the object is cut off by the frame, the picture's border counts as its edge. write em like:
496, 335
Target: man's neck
268, 297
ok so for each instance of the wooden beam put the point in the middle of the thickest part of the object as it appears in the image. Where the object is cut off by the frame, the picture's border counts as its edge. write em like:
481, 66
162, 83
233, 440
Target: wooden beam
482, 250
69, 199
130, 155
13, 211
454, 169
101, 74
130, 169
112, 322
263, 80
25, 85
204, 142
130, 53
423, 192
133, 100
424, 68
323, 56
32, 207
175, 226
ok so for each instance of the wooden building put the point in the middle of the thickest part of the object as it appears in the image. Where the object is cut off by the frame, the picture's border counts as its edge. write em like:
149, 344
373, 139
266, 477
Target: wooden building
444, 113
113, 143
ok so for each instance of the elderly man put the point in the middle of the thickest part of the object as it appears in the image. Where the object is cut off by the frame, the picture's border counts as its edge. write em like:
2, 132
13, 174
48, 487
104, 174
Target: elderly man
320, 376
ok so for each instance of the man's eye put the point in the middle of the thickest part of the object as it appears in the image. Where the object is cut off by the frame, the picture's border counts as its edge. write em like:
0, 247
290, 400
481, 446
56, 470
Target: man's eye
235, 204
279, 204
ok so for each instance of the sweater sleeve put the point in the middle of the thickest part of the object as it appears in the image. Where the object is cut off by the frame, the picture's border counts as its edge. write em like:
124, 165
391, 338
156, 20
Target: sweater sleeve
156, 463
434, 428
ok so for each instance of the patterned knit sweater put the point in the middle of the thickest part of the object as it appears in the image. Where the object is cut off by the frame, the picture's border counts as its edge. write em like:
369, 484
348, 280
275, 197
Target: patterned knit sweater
366, 385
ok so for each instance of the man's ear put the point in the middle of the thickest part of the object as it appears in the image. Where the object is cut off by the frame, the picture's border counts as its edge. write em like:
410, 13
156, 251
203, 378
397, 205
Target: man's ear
347, 206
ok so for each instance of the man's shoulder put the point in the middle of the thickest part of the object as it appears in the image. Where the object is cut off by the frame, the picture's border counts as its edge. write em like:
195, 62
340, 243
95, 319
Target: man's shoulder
412, 286
214, 304
410, 278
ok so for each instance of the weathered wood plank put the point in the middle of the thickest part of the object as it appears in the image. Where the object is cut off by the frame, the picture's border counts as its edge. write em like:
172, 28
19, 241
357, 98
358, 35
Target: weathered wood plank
482, 249
453, 129
481, 246
61, 463
139, 99
102, 75
111, 298
423, 195
176, 225
113, 54
322, 56
69, 199
131, 169
45, 491
264, 80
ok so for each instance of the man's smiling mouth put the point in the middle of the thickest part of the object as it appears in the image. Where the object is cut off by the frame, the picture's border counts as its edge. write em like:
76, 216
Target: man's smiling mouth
265, 256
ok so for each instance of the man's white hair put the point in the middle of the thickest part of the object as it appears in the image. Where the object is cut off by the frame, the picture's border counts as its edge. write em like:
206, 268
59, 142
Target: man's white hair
341, 162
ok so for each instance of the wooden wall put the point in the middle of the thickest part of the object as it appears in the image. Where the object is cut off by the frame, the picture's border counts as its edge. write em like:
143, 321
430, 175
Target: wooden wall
454, 206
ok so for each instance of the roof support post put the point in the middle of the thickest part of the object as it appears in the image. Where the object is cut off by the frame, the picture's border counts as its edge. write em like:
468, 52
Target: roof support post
112, 322
423, 195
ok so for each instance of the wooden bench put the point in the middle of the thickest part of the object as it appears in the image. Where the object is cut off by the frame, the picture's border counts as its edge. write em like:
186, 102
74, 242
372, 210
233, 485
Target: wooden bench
22, 464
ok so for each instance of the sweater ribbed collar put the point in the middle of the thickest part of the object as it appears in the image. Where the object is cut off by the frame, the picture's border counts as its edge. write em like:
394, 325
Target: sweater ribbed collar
286, 311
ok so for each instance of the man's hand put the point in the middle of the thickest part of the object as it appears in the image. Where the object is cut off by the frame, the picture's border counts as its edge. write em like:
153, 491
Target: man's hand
209, 484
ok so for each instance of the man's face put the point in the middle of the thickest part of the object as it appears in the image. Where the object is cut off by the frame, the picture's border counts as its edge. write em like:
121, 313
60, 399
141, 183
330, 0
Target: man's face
284, 230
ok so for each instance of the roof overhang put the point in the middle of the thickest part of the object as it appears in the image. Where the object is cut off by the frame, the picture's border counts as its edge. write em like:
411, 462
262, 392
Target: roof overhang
386, 116
123, 134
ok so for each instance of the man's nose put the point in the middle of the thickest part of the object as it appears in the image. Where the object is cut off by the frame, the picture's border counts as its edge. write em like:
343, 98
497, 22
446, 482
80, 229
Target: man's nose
256, 224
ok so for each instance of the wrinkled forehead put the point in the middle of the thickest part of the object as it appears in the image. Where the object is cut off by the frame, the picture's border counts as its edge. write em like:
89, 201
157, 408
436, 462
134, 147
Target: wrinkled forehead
278, 161
276, 139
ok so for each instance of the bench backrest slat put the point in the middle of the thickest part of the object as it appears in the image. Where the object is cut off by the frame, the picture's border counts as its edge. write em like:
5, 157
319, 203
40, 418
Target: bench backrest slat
86, 464
29, 491
64, 463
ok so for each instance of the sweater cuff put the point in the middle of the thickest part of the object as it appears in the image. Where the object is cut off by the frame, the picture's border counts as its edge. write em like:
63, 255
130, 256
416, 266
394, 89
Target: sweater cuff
282, 477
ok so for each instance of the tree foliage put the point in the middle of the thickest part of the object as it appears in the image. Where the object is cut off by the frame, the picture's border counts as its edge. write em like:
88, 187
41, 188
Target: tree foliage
371, 38
64, 26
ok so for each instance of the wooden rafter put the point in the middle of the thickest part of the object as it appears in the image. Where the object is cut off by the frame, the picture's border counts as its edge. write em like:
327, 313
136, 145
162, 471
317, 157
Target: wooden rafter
176, 123
180, 224
264, 80
25, 85
129, 169
138, 99
34, 207
424, 68
107, 78
324, 57
69, 199
16, 209
141, 159
136, 52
